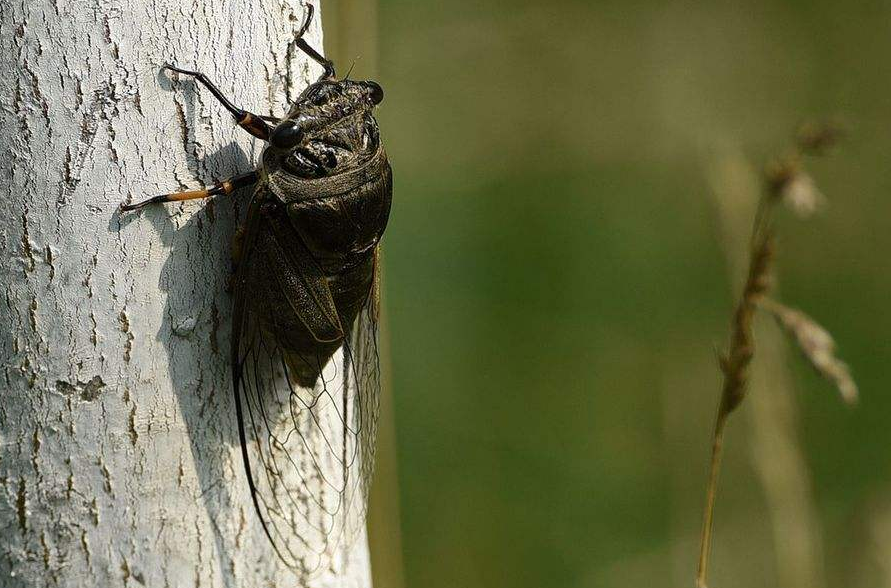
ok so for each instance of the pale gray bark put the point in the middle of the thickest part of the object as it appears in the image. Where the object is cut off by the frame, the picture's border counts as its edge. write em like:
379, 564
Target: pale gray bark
119, 463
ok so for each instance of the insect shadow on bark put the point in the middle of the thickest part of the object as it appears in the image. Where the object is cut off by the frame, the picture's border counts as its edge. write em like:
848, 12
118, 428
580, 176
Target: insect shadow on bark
195, 330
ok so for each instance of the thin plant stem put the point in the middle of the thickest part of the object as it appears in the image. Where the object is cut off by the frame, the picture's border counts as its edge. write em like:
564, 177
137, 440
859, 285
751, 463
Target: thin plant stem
710, 495
785, 181
735, 364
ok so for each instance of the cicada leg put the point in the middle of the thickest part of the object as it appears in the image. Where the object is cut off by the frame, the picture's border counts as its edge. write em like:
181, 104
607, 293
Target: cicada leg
236, 252
237, 242
254, 124
329, 73
224, 187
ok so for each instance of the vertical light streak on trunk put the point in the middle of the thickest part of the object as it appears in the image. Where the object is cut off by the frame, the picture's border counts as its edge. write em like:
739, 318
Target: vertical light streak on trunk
353, 35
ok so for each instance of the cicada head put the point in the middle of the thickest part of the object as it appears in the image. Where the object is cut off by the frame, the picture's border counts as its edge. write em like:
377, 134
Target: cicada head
330, 130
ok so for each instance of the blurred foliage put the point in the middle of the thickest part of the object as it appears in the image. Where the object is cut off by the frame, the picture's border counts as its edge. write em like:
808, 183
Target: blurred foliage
556, 283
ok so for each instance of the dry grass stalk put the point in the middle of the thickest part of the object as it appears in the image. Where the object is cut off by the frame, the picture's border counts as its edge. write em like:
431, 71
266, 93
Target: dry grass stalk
785, 182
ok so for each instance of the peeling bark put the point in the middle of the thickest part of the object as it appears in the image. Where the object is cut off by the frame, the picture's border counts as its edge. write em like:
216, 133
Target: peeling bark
119, 462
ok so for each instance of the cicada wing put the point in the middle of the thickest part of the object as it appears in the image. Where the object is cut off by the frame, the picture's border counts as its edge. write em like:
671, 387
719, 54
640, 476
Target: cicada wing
308, 451
363, 374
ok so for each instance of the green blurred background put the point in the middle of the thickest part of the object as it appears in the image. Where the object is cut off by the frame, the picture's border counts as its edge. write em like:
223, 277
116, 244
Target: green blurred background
557, 280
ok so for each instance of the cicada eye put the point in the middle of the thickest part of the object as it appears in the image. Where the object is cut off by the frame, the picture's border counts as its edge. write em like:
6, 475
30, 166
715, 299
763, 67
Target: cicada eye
375, 92
286, 135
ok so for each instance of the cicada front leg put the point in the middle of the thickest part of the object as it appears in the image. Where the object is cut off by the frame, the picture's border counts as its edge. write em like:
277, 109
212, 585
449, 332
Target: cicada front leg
254, 124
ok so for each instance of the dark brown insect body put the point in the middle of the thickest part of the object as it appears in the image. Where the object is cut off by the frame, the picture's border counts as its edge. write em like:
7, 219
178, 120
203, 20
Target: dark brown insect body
305, 289
317, 216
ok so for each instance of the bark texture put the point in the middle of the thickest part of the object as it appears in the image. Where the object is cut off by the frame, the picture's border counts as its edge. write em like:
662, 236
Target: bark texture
119, 463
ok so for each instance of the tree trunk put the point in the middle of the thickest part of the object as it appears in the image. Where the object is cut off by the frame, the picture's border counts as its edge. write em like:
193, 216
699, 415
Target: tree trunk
120, 463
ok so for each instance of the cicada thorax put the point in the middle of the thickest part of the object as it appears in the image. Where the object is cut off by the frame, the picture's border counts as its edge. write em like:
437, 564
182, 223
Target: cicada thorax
322, 206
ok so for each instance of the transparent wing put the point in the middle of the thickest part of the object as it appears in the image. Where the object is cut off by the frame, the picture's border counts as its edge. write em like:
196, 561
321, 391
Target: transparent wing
308, 451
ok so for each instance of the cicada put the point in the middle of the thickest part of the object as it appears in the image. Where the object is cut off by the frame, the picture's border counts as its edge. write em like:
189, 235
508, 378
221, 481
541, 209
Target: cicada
305, 364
